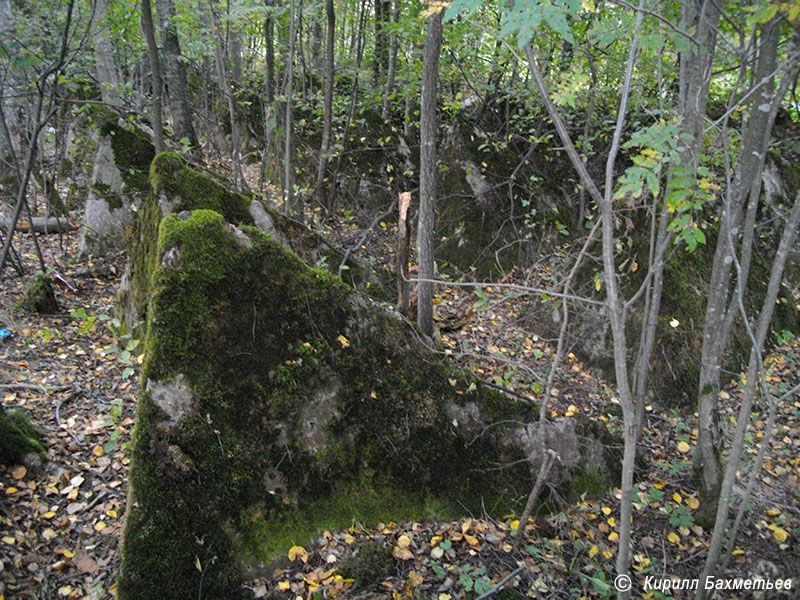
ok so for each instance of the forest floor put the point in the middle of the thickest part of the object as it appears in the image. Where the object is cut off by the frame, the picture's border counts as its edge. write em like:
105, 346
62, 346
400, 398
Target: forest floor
75, 373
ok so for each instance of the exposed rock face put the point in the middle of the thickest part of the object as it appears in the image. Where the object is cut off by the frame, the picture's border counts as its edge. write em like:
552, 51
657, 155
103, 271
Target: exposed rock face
278, 402
118, 183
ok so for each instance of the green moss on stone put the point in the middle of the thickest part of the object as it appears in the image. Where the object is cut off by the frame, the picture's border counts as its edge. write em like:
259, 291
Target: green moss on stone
133, 152
40, 297
17, 437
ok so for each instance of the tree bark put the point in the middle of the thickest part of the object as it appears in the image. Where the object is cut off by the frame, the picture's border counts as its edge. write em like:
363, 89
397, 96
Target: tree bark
182, 126
155, 69
717, 325
108, 75
327, 118
427, 173
269, 42
288, 178
392, 67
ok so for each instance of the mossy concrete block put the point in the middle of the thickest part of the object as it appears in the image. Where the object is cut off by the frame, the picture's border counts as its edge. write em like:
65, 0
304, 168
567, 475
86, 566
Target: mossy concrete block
276, 403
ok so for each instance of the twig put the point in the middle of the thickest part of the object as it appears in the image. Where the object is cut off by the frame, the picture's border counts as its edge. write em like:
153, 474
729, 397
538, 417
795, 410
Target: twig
97, 499
358, 244
509, 391
36, 388
547, 463
501, 583
58, 417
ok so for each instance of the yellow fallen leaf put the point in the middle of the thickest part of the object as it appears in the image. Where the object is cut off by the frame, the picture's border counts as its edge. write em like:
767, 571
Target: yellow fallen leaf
780, 534
471, 540
284, 585
19, 472
611, 521
683, 447
349, 539
7, 539
112, 513
296, 552
100, 525
404, 541
343, 341
437, 553
677, 497
674, 537
98, 451
773, 512
593, 550
606, 510
48, 515
444, 596
414, 579
693, 503
402, 553
197, 564
613, 536
658, 485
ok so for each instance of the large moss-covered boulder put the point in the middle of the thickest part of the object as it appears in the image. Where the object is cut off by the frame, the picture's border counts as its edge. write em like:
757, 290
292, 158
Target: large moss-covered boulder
278, 402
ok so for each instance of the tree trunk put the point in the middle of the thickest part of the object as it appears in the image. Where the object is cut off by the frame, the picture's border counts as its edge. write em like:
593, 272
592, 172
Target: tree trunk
289, 207
390, 72
155, 70
227, 91
716, 326
427, 173
105, 66
328, 103
182, 126
269, 42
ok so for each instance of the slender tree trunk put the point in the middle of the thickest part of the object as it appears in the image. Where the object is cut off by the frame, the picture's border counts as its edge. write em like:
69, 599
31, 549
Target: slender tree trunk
756, 364
427, 173
390, 72
716, 326
327, 118
182, 126
155, 70
105, 66
288, 172
227, 91
269, 42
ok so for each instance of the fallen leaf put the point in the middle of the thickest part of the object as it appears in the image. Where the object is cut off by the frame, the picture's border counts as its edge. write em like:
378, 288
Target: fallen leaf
18, 472
403, 541
343, 341
693, 503
683, 447
780, 534
86, 564
296, 552
674, 537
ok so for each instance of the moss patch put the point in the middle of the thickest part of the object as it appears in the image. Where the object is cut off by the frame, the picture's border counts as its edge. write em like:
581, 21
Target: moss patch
40, 297
17, 437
